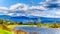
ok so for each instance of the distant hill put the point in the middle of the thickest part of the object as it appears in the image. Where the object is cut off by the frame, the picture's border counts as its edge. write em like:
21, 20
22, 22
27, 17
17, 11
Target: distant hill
26, 19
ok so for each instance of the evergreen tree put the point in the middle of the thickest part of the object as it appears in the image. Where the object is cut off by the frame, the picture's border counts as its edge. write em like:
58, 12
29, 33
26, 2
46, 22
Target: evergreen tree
38, 24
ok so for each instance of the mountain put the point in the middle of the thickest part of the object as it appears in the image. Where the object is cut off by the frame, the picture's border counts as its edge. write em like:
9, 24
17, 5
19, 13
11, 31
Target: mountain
49, 20
27, 19
5, 17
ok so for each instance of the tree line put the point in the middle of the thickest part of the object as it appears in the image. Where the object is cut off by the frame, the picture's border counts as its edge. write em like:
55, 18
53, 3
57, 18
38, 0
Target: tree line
31, 22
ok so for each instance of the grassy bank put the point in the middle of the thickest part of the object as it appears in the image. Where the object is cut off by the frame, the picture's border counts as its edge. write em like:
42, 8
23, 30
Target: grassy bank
4, 32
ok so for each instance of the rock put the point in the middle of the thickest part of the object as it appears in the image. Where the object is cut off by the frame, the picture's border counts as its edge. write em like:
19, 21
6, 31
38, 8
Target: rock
20, 32
33, 33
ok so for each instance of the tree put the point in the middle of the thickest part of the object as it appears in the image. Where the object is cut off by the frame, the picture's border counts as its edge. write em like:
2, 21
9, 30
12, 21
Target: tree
31, 22
38, 24
55, 25
11, 23
5, 22
1, 21
20, 23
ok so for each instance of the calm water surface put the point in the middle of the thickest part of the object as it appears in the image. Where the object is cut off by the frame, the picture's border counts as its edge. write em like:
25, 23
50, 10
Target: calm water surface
38, 30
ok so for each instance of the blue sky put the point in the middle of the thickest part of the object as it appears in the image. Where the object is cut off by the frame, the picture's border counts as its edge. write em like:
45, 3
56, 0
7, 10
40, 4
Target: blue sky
7, 3
41, 8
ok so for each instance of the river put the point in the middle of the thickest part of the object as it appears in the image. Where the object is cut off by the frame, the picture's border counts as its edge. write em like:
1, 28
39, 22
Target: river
38, 30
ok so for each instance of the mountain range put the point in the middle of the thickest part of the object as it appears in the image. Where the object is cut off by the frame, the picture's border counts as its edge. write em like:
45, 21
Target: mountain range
25, 19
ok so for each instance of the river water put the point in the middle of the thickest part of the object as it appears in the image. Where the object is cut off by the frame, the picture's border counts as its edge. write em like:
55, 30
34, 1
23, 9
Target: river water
38, 30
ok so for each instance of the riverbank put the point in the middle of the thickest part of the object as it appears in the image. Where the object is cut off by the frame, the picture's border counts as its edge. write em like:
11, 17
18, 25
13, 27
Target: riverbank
42, 25
21, 31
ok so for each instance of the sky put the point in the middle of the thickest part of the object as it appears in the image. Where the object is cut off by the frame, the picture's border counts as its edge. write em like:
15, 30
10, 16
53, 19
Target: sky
8, 3
41, 8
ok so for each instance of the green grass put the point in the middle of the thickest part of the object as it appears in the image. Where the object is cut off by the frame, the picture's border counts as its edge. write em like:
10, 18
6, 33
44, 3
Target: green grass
12, 26
4, 32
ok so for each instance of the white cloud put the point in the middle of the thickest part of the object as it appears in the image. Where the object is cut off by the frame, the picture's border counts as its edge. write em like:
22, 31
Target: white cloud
19, 6
45, 9
41, 8
3, 8
10, 14
16, 14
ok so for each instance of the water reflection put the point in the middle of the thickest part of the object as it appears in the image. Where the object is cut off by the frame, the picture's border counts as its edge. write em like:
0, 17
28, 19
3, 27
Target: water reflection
38, 30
